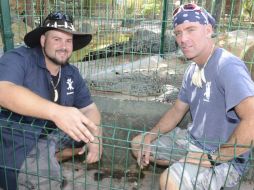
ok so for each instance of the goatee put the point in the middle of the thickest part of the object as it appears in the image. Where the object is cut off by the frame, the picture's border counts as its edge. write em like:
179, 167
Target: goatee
54, 59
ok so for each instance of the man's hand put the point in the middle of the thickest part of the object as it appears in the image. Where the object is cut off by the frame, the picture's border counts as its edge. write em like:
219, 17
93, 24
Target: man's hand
74, 123
94, 151
145, 152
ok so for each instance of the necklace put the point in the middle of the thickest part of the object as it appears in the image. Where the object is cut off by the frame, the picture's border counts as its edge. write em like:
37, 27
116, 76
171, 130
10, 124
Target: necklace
55, 86
199, 74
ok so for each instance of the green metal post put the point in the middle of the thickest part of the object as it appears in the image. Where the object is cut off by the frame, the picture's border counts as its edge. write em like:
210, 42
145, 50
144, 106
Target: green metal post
6, 25
231, 15
164, 25
216, 13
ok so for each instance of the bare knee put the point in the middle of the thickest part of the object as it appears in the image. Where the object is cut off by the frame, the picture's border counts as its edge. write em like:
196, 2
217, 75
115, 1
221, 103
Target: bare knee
167, 182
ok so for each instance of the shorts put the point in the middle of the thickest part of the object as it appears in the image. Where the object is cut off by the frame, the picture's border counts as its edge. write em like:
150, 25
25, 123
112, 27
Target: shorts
41, 169
175, 145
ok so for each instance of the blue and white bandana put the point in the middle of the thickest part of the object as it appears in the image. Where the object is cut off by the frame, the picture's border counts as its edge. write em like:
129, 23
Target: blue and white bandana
201, 16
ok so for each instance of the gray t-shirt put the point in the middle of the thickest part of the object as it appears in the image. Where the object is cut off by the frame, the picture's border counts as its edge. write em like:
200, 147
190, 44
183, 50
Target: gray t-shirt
228, 82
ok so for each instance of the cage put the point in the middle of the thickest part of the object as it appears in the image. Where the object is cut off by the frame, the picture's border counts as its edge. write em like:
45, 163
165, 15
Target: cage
134, 70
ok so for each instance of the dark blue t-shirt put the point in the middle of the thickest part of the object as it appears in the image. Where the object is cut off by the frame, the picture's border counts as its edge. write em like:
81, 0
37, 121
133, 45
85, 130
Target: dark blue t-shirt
26, 67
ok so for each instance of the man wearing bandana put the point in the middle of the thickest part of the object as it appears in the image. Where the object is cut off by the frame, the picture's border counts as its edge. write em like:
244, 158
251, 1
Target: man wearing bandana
218, 92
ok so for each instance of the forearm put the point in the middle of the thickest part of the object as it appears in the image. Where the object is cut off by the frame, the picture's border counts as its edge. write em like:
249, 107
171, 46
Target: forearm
170, 119
23, 101
69, 119
240, 141
243, 135
167, 123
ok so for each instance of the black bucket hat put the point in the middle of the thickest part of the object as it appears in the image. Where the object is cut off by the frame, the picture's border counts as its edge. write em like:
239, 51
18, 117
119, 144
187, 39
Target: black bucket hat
59, 21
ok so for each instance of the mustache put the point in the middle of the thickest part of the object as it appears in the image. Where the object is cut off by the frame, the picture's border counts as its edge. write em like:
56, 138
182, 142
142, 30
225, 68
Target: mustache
61, 50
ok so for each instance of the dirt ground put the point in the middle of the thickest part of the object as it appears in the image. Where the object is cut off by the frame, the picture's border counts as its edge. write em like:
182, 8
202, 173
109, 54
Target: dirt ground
105, 179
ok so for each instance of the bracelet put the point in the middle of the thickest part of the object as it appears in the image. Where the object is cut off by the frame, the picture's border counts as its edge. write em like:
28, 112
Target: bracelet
213, 163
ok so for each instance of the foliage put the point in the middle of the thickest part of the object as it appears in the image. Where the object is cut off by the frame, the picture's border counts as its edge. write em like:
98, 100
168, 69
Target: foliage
248, 7
130, 11
152, 8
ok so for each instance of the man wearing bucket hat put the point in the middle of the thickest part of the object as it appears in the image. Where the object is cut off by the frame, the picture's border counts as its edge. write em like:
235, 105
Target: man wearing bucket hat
48, 106
218, 91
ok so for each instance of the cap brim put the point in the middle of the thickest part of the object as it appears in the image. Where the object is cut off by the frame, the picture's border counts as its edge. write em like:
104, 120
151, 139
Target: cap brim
80, 40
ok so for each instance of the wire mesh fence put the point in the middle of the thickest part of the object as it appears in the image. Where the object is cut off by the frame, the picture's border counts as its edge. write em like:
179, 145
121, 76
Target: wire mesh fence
117, 169
127, 34
129, 57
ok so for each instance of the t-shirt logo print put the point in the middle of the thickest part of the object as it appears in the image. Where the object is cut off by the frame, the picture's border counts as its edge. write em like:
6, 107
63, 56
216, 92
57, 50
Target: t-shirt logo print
207, 92
70, 87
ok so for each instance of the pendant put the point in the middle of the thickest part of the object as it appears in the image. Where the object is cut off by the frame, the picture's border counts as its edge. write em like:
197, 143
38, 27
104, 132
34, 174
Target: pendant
55, 95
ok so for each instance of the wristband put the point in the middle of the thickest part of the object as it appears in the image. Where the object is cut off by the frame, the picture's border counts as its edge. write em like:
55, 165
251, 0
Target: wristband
213, 163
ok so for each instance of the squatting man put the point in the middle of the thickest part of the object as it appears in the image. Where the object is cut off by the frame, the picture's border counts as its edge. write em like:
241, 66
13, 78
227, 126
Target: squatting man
218, 92
50, 112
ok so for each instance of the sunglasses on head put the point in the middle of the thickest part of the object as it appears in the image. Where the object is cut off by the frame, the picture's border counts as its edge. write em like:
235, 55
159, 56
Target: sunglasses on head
186, 7
59, 16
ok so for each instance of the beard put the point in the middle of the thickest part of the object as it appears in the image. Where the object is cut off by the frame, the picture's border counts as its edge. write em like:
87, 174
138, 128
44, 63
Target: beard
54, 59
